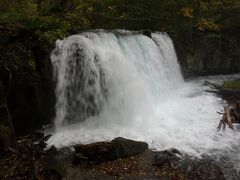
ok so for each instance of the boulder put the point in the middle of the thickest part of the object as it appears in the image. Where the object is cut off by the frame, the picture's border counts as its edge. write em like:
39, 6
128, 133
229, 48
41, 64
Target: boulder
40, 140
125, 147
192, 168
58, 160
171, 158
108, 151
55, 166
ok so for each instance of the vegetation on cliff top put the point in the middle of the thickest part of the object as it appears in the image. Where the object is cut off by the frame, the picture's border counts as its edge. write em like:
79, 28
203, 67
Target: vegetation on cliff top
26, 24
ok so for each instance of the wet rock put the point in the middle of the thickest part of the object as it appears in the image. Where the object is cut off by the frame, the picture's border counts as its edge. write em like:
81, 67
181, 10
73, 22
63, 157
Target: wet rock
67, 155
108, 151
170, 158
125, 147
58, 160
94, 153
38, 135
147, 33
45, 138
79, 158
42, 142
192, 168
202, 169
54, 164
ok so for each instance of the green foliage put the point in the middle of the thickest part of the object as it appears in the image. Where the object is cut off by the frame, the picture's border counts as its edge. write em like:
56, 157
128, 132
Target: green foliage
235, 84
187, 12
208, 25
51, 36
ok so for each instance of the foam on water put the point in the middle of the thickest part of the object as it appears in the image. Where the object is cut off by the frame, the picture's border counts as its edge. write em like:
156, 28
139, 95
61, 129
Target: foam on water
130, 85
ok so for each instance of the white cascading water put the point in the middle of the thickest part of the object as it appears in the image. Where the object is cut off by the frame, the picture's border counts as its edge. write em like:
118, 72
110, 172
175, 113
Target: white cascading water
129, 85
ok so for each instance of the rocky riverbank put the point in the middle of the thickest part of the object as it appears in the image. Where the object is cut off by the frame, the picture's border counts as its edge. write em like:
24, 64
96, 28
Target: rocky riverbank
118, 159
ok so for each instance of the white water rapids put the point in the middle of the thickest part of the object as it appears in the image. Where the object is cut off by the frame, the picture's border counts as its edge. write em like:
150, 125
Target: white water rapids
129, 85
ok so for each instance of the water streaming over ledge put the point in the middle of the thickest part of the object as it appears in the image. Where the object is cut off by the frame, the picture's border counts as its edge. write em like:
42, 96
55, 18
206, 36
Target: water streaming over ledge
121, 74
111, 84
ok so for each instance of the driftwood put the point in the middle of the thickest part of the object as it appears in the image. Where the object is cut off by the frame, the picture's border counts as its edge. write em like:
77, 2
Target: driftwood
230, 116
231, 112
212, 85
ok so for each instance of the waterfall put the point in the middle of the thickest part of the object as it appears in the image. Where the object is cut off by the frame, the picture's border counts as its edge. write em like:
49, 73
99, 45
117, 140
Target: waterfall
122, 83
98, 71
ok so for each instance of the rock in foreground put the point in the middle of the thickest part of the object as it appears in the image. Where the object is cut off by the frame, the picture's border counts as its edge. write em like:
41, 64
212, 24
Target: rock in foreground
190, 168
108, 151
118, 159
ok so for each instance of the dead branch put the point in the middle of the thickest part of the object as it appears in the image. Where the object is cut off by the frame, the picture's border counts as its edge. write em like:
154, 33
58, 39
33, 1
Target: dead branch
212, 91
213, 86
222, 122
228, 117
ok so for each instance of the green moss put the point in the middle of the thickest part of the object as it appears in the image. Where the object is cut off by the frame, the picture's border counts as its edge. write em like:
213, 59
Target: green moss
235, 84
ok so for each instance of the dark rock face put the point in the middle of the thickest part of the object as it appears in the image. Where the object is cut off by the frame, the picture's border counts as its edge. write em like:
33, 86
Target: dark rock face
192, 168
207, 54
31, 102
147, 33
26, 73
7, 137
108, 151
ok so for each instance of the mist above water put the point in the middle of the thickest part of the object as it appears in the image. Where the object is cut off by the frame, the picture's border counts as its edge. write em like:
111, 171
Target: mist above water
129, 85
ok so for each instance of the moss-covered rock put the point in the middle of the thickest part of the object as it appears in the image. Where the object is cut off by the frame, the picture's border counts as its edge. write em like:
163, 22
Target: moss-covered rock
234, 84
